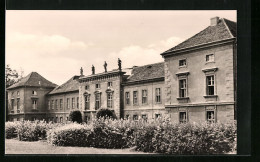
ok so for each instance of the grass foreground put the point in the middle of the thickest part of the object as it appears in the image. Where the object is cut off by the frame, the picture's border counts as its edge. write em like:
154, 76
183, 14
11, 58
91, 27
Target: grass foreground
14, 146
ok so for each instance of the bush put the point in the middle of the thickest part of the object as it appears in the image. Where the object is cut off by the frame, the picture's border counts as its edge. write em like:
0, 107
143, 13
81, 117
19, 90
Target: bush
33, 130
187, 138
69, 135
105, 113
75, 116
10, 130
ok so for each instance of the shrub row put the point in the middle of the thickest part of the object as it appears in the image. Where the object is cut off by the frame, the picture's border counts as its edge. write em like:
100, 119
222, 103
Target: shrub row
159, 136
187, 138
10, 130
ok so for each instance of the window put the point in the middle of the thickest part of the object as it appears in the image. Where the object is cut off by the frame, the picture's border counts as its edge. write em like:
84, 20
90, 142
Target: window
144, 117
49, 104
18, 103
135, 117
157, 116
61, 119
110, 100
87, 102
135, 98
61, 104
87, 87
109, 84
77, 102
67, 118
144, 96
68, 103
97, 103
12, 104
97, 86
18, 93
210, 58
73, 103
182, 88
127, 98
57, 119
127, 117
34, 104
56, 104
210, 85
183, 117
52, 104
34, 93
182, 63
211, 116
12, 94
158, 95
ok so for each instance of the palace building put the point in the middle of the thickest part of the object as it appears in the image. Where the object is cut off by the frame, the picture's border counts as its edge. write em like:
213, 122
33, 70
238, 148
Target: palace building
195, 83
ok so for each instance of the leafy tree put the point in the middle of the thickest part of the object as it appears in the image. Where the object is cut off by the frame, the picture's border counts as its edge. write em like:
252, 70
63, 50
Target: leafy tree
106, 113
75, 116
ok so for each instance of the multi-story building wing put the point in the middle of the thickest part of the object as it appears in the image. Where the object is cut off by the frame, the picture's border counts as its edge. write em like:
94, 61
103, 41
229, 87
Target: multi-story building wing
101, 90
144, 92
26, 99
63, 99
200, 75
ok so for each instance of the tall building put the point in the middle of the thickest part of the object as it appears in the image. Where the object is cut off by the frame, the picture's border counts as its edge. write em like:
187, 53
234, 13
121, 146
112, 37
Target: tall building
195, 83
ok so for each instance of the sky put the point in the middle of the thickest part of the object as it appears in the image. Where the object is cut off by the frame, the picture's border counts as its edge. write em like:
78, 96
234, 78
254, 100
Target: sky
56, 44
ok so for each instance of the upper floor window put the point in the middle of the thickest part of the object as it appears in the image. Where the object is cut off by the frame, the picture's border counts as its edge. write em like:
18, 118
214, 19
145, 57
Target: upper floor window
182, 63
87, 87
52, 104
109, 84
68, 103
158, 95
98, 100
110, 100
210, 58
144, 96
127, 98
210, 85
183, 88
87, 105
18, 104
77, 102
34, 104
18, 93
97, 86
49, 104
61, 103
73, 102
135, 99
56, 104
34, 93
12, 104
12, 94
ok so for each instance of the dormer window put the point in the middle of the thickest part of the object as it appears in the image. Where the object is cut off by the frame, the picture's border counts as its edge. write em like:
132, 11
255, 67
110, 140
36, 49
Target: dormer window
97, 86
182, 63
210, 58
34, 93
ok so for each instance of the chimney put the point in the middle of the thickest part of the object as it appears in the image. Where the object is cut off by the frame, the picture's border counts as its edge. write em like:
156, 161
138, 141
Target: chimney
214, 21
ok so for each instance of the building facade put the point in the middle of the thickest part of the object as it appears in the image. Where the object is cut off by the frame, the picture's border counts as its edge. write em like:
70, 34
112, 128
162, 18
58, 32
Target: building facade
195, 83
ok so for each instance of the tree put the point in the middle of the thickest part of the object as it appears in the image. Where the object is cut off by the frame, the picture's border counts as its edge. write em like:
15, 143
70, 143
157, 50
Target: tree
11, 77
106, 113
75, 116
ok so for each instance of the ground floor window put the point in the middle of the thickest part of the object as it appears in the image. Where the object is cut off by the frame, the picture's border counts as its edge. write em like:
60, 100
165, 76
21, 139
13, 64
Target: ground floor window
157, 116
127, 117
61, 119
135, 117
144, 117
211, 116
183, 117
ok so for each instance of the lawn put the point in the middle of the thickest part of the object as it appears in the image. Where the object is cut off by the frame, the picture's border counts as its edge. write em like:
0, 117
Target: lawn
14, 146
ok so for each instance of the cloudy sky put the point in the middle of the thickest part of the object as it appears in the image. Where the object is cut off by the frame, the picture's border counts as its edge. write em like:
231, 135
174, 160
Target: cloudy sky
57, 43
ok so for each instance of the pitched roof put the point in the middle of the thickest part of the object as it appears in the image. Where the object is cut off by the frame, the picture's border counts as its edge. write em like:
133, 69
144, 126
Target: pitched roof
147, 72
225, 29
33, 80
71, 85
